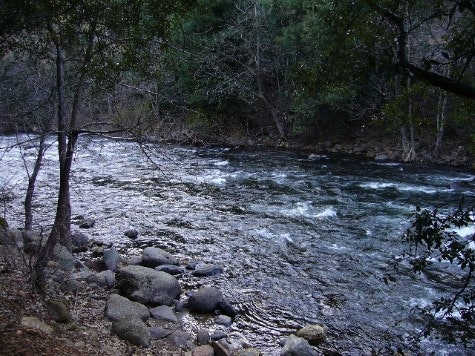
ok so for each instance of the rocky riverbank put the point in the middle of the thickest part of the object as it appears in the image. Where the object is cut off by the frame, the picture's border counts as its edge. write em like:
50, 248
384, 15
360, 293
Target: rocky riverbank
114, 304
375, 145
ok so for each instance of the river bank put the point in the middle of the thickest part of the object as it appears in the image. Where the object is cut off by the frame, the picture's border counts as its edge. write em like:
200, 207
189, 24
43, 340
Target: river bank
381, 146
102, 304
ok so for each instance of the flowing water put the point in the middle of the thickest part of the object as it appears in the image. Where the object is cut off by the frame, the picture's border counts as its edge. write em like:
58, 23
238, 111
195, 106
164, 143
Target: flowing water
302, 241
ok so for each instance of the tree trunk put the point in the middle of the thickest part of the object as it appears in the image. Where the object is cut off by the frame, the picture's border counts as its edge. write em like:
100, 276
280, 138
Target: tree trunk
408, 143
276, 116
61, 223
32, 182
440, 121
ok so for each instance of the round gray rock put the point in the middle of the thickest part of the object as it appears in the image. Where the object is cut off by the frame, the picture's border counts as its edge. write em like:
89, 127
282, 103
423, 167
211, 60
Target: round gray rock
314, 334
209, 299
79, 239
131, 233
205, 300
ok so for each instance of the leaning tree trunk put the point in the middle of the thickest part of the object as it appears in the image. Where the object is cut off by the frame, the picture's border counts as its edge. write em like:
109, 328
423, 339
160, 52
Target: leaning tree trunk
32, 182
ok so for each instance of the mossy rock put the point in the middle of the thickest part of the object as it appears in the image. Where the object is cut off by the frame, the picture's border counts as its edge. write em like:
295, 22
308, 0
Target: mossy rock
3, 223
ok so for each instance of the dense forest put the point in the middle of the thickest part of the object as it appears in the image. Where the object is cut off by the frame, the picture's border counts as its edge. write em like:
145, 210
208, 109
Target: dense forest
235, 72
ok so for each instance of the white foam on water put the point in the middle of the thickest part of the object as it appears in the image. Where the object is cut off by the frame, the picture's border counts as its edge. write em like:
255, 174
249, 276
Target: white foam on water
387, 164
400, 187
376, 185
306, 209
465, 231
263, 232
418, 189
329, 212
286, 237
301, 209
221, 163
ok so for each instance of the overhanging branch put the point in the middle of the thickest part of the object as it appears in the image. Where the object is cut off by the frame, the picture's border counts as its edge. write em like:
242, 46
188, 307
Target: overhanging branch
440, 81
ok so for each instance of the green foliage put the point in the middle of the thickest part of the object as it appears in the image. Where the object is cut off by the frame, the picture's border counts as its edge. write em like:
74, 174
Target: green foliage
433, 238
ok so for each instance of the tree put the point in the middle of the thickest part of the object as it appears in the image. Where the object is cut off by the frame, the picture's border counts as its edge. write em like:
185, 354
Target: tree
88, 41
451, 25
433, 238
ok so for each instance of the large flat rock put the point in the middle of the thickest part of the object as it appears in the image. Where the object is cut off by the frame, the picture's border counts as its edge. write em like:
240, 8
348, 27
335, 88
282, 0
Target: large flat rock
147, 286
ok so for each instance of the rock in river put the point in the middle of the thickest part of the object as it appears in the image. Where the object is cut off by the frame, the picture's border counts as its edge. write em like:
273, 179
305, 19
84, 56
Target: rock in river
154, 256
314, 334
147, 286
297, 346
209, 299
207, 270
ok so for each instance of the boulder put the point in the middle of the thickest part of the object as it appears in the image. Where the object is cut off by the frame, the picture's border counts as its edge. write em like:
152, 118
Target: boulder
58, 311
202, 337
180, 338
191, 266
32, 322
66, 261
297, 346
203, 350
171, 269
79, 239
163, 312
224, 320
207, 271
32, 241
154, 256
205, 300
111, 258
132, 330
314, 334
209, 299
147, 286
219, 335
86, 223
131, 233
221, 348
104, 278
118, 307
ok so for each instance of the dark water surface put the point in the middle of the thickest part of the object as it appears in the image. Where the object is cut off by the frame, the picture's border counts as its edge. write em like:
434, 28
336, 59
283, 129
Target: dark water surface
302, 241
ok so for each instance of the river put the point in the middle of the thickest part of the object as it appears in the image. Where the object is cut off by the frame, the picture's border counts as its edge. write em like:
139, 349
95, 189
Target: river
301, 240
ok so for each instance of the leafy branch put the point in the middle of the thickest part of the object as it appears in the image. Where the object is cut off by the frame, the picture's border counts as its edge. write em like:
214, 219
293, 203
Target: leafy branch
433, 237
